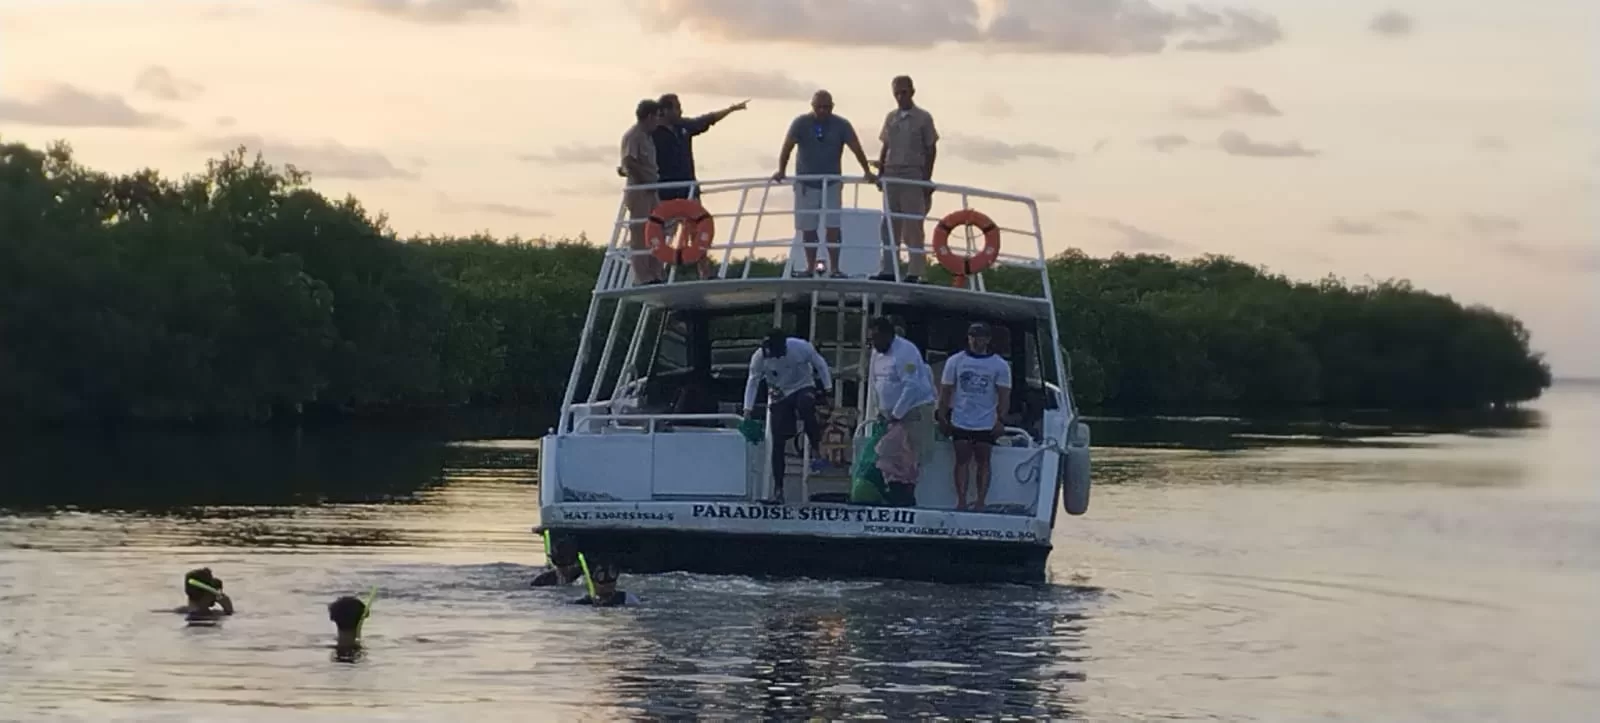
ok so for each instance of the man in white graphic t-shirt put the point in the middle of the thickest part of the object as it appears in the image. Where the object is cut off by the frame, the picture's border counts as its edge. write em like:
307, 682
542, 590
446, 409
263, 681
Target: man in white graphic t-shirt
796, 375
973, 394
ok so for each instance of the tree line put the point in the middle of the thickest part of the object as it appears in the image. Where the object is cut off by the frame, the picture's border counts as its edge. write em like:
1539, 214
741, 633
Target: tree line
240, 293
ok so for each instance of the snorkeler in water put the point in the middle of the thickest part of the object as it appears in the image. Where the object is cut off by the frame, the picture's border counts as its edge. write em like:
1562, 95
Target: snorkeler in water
564, 564
204, 592
347, 614
603, 577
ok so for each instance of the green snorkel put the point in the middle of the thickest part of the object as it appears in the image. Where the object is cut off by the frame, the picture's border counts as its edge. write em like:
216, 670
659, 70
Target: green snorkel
549, 556
587, 578
366, 610
197, 584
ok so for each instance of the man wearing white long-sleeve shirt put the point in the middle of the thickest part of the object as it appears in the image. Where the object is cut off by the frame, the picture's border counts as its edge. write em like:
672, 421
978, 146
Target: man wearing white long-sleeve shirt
795, 374
903, 382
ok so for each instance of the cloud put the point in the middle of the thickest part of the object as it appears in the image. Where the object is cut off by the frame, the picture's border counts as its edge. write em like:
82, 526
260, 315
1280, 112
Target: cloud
450, 205
159, 83
226, 121
1347, 226
1584, 258
574, 154
1400, 214
1484, 224
1101, 144
1138, 239
1491, 144
67, 106
990, 152
1392, 24
1350, 227
433, 12
1166, 143
991, 105
1090, 27
1235, 143
1047, 197
594, 188
732, 83
1232, 101
324, 159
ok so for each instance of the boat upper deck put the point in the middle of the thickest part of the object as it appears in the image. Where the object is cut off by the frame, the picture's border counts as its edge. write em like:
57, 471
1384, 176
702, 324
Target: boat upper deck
755, 219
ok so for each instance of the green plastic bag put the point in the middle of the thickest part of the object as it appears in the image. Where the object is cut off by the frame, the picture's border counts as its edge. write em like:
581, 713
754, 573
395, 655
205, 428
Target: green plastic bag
753, 430
866, 481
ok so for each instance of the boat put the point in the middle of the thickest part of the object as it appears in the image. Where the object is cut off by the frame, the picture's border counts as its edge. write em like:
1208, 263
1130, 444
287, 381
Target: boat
648, 465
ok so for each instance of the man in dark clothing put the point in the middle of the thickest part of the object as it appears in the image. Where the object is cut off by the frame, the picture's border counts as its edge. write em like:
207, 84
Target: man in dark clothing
674, 140
675, 143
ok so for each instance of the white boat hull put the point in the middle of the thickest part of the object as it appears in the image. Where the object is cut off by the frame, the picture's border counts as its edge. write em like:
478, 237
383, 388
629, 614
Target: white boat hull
814, 540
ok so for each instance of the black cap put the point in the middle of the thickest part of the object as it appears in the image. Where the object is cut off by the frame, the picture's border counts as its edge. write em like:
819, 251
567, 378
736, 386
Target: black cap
978, 328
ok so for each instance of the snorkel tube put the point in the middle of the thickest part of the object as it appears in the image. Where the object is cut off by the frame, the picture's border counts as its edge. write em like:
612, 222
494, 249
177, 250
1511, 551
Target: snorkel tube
202, 586
366, 610
587, 578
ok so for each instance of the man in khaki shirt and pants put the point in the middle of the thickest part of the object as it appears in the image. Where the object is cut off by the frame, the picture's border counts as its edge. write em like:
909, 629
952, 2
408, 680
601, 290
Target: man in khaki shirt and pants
910, 145
639, 166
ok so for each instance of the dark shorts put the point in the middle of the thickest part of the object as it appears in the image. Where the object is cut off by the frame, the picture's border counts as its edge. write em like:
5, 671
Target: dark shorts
792, 412
977, 436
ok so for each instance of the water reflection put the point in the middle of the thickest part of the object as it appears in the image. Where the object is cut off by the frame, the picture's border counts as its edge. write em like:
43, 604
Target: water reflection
805, 649
1307, 428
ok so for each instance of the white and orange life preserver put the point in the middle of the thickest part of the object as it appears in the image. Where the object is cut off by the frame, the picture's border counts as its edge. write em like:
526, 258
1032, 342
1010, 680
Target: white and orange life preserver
699, 229
960, 266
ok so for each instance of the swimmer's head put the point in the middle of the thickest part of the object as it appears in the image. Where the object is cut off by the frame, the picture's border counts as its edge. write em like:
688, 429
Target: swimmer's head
346, 614
197, 595
564, 552
604, 576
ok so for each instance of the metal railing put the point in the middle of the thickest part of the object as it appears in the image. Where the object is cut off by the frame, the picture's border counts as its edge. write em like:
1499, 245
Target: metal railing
751, 201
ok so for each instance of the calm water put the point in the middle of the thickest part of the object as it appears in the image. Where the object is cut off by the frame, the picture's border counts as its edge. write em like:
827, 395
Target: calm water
1225, 571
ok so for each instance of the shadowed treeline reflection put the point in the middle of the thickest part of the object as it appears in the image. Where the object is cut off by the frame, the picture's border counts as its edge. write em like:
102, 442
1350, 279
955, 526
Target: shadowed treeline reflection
157, 470
831, 650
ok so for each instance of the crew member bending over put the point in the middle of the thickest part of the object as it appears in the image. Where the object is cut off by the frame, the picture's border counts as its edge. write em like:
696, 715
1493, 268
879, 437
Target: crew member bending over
795, 375
973, 394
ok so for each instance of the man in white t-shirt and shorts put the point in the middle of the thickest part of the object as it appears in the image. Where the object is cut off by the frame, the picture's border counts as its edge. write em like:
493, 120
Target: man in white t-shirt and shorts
974, 391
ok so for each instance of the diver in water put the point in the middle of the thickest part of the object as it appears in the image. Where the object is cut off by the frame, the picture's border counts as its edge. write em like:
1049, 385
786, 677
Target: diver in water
564, 564
204, 592
347, 614
604, 576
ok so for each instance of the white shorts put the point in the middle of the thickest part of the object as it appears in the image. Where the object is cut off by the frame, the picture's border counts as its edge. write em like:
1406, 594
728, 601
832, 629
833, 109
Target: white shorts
810, 198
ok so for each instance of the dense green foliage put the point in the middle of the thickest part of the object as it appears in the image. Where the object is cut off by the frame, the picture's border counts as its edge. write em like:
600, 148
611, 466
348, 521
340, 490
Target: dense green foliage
240, 293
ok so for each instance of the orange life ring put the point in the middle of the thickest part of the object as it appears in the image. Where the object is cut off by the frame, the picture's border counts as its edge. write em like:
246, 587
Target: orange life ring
699, 229
963, 266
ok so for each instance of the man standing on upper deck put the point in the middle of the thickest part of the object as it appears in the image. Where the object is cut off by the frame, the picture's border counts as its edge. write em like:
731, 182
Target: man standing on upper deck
639, 165
903, 383
822, 138
910, 146
796, 376
674, 140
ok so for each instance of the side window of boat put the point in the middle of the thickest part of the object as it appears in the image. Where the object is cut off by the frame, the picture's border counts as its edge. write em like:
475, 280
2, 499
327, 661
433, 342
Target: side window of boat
672, 348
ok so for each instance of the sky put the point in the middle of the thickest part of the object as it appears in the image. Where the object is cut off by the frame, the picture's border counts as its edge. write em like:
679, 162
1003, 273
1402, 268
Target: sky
1453, 143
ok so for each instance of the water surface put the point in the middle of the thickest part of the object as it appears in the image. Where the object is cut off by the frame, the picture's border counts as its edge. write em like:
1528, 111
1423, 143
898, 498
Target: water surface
1227, 570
